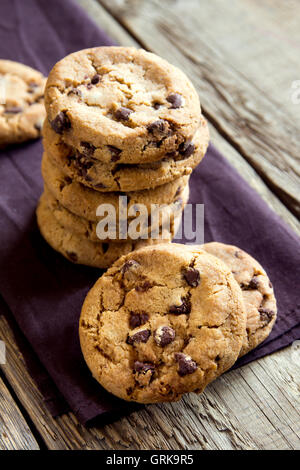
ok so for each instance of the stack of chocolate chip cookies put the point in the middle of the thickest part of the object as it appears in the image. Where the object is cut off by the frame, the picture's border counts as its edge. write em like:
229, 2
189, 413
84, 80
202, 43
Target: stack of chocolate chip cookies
123, 132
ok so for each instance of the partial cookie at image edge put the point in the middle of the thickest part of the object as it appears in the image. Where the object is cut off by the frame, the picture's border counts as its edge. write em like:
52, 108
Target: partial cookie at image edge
22, 109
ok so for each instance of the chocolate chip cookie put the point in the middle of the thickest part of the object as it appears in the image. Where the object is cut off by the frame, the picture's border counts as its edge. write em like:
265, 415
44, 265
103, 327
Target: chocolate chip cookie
257, 289
121, 103
116, 176
22, 109
162, 321
83, 201
79, 249
88, 229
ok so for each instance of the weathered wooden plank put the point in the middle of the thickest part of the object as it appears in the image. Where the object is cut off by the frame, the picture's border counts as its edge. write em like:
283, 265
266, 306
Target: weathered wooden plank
15, 433
252, 177
259, 124
251, 408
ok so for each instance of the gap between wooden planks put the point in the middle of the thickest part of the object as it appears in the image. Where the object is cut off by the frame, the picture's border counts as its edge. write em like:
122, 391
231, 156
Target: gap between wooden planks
117, 32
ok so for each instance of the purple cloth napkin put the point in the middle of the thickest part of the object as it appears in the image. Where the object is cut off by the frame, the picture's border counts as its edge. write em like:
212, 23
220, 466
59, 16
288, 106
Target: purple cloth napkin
43, 293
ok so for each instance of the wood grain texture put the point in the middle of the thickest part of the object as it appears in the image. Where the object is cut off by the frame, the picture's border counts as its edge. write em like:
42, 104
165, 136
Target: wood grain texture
222, 46
14, 431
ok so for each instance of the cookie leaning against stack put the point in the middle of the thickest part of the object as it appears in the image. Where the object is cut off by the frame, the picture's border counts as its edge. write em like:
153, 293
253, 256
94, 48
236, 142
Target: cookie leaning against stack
168, 319
120, 122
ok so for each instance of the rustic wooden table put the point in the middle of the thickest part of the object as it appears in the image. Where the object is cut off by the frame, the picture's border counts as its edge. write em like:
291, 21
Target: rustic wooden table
243, 56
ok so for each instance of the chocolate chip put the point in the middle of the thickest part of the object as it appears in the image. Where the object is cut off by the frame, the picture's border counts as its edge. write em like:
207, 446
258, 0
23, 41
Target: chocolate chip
89, 149
175, 99
75, 91
192, 277
139, 337
238, 254
61, 123
13, 110
164, 335
186, 149
68, 180
156, 105
178, 202
122, 114
143, 367
183, 309
266, 315
138, 319
118, 168
270, 285
187, 340
143, 287
186, 364
129, 264
96, 79
89, 86
254, 283
73, 257
115, 153
158, 144
160, 126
